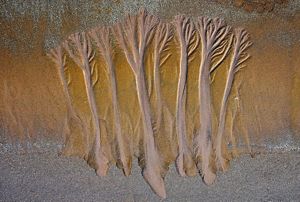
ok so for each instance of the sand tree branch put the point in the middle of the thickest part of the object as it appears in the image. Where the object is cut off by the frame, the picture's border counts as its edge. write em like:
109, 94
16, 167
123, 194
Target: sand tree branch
186, 35
219, 45
193, 44
72, 53
130, 31
164, 60
163, 36
94, 73
224, 52
120, 35
146, 25
137, 31
101, 35
103, 41
57, 56
78, 46
241, 44
202, 25
79, 49
69, 79
222, 32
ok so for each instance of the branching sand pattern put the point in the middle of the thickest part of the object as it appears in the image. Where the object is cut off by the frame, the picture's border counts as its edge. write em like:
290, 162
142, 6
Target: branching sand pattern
212, 39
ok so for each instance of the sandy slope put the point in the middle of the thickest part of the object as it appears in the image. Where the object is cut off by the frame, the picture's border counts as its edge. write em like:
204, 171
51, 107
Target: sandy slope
47, 177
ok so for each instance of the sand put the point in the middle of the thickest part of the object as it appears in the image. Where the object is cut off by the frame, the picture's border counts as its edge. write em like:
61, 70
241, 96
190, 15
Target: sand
46, 176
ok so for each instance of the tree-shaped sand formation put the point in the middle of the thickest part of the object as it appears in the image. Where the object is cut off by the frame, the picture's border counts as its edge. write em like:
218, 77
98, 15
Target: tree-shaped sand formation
80, 50
188, 44
213, 33
241, 44
210, 39
134, 36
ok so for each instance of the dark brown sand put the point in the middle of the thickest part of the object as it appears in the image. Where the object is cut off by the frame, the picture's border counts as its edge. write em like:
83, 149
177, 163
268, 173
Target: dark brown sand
47, 177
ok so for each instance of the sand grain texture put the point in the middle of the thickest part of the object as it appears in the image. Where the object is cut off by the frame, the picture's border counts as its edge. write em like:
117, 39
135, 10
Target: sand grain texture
47, 177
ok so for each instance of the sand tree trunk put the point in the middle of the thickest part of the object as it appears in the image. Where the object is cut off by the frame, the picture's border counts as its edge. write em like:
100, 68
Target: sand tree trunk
163, 36
213, 35
102, 39
134, 36
241, 43
186, 35
82, 55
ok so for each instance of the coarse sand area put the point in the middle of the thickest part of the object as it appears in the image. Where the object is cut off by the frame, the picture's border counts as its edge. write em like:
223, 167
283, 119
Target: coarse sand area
46, 176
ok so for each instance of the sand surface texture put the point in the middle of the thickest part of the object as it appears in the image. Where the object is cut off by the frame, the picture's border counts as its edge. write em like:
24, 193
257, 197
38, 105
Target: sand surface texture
47, 177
